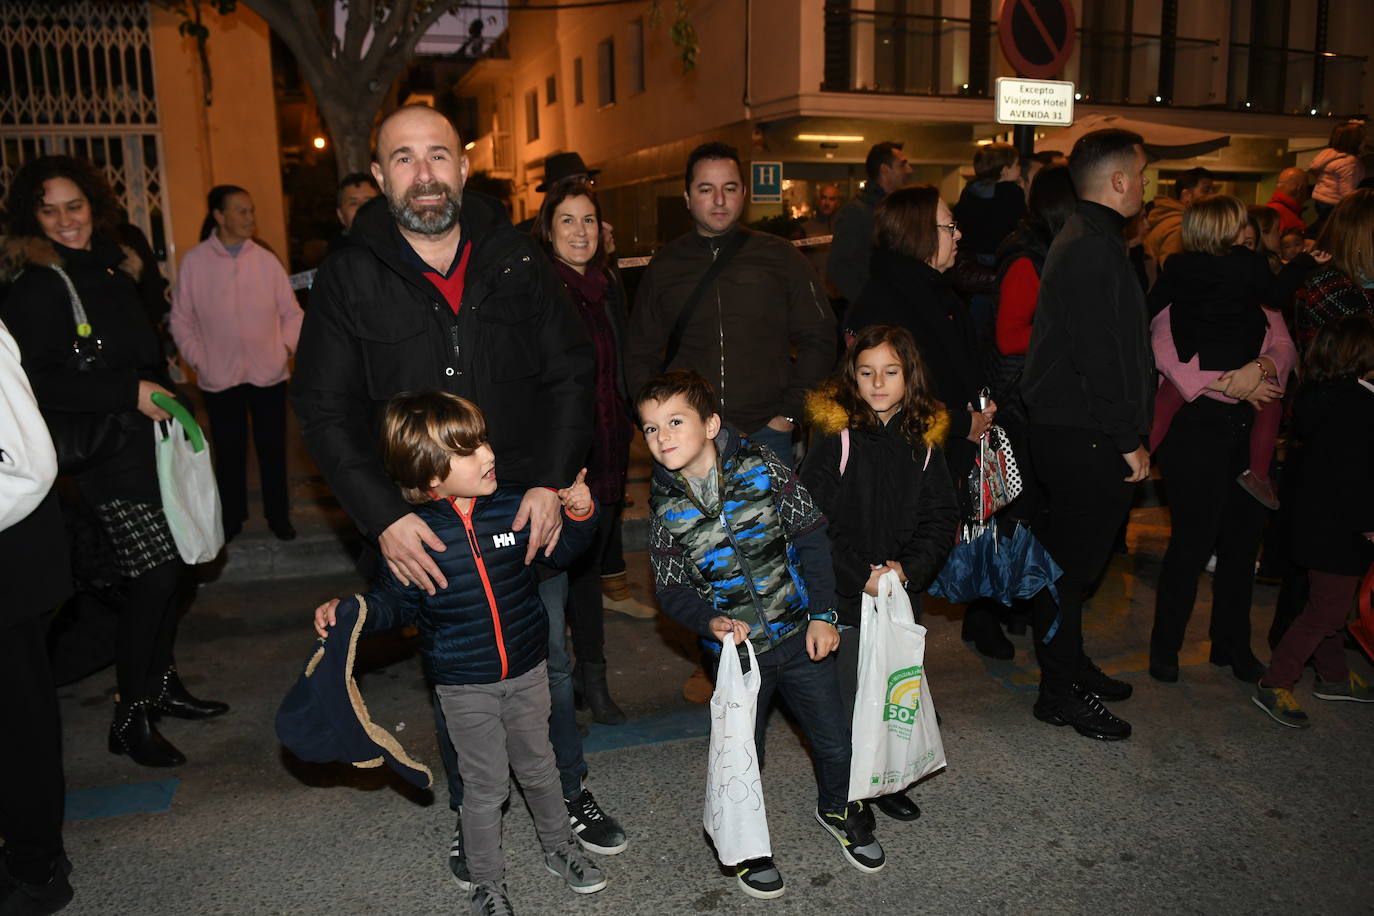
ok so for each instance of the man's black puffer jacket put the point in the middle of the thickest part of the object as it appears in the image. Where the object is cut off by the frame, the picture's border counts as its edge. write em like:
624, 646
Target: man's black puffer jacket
376, 327
488, 624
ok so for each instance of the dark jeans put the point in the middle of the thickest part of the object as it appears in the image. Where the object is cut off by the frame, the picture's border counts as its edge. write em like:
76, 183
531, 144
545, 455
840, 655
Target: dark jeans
31, 781
1085, 499
812, 692
228, 412
586, 616
1318, 633
1207, 446
567, 743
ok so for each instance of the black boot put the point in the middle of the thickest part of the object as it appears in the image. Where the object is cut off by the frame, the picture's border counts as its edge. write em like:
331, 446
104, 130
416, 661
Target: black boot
132, 732
595, 692
172, 699
897, 806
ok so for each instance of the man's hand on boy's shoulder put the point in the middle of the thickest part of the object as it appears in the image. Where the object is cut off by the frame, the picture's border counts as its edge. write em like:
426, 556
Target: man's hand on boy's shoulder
722, 627
325, 617
543, 511
821, 639
403, 546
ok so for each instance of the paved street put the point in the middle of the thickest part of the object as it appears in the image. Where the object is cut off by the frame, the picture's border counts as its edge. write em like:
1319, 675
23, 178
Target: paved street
1210, 807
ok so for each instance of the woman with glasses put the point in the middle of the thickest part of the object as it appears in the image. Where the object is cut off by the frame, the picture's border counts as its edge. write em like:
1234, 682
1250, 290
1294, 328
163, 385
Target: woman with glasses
915, 240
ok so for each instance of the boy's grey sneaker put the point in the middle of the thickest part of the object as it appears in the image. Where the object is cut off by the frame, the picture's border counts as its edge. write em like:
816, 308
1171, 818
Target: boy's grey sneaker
760, 878
856, 841
593, 828
457, 859
572, 865
1353, 689
491, 900
1280, 706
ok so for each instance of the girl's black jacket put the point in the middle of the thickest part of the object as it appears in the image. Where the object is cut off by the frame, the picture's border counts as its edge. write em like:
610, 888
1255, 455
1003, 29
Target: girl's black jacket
893, 501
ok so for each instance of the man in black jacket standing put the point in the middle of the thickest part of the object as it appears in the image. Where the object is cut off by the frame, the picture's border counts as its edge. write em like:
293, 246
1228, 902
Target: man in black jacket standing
761, 331
1089, 388
439, 291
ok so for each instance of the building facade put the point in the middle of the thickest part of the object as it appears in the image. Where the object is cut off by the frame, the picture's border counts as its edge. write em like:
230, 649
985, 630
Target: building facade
813, 83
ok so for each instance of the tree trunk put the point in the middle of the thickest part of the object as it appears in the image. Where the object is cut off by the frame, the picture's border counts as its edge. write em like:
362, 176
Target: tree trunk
349, 122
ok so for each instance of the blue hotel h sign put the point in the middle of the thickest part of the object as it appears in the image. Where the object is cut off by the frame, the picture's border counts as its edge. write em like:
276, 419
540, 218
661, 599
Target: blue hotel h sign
766, 184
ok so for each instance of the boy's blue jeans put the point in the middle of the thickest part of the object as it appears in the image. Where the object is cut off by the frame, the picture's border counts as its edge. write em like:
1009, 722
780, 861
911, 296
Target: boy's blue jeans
812, 692
567, 743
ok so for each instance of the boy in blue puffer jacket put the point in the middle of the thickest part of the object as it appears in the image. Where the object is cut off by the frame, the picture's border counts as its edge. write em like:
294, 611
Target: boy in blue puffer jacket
484, 638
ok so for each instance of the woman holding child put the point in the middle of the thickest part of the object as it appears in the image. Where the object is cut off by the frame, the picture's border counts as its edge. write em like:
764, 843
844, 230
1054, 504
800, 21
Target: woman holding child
1224, 356
569, 226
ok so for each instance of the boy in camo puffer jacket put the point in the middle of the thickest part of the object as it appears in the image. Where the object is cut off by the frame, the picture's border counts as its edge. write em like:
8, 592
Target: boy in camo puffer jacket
738, 545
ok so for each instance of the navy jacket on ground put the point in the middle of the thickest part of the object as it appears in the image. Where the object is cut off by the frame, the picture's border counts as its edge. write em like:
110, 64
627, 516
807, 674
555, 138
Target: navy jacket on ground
488, 624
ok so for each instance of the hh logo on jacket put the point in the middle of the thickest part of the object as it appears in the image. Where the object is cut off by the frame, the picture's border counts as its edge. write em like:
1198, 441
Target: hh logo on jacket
503, 540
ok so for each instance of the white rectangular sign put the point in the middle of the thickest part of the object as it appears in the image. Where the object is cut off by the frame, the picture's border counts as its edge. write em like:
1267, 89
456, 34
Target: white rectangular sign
1045, 102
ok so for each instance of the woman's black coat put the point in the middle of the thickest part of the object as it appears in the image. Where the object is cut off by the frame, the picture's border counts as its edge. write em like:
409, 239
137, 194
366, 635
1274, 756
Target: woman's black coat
908, 293
38, 312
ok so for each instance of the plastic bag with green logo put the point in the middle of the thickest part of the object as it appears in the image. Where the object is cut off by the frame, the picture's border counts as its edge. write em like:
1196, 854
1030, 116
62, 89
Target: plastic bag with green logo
896, 738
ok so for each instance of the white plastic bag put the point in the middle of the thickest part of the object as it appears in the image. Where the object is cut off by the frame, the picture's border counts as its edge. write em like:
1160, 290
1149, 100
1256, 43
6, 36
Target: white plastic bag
190, 498
735, 817
896, 739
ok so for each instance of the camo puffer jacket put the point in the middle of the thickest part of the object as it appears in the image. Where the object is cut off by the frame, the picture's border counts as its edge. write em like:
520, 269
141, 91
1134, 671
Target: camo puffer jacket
738, 554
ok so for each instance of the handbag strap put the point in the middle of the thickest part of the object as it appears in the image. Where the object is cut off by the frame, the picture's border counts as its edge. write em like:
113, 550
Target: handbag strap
723, 256
844, 449
83, 326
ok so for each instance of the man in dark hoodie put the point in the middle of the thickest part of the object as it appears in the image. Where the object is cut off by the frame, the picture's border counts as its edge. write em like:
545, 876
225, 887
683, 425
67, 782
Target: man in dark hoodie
439, 291
1089, 388
987, 212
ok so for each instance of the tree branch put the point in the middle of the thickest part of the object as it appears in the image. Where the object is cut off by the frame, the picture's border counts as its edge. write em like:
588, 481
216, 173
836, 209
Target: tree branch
360, 16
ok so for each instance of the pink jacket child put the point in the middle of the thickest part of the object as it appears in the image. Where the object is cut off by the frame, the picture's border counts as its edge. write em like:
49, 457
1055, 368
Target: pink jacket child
235, 319
1185, 382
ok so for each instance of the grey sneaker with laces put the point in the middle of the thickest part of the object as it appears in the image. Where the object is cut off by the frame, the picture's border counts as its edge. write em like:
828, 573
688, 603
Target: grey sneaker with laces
491, 900
571, 864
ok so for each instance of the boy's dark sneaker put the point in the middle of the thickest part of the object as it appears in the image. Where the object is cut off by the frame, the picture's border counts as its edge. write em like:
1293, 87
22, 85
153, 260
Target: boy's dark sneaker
760, 878
1092, 680
593, 828
856, 841
1352, 689
457, 859
571, 864
491, 900
1085, 713
1280, 705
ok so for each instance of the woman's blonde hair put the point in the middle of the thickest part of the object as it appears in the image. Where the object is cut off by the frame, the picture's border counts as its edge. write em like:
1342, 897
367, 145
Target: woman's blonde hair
1212, 223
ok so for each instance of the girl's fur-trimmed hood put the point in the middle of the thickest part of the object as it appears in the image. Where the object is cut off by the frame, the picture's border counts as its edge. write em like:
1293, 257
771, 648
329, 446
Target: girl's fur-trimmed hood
18, 253
827, 416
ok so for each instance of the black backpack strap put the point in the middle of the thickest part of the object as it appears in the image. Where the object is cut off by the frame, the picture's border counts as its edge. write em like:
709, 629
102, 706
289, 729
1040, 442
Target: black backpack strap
723, 256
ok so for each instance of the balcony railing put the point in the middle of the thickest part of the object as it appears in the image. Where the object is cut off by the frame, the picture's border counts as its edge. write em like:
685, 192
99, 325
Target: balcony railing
869, 50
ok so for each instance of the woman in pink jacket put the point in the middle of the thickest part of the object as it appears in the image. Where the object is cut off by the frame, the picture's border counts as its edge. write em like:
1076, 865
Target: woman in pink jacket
236, 322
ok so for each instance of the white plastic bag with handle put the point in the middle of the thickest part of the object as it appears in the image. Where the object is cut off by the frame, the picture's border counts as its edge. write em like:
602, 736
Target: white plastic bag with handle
190, 497
896, 739
735, 817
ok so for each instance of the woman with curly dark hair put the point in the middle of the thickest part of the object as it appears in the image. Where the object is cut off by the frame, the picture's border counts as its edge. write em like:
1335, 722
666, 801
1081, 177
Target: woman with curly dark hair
90, 353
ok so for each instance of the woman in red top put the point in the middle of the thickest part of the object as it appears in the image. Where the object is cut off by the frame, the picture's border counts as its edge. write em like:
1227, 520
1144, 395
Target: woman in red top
1019, 260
